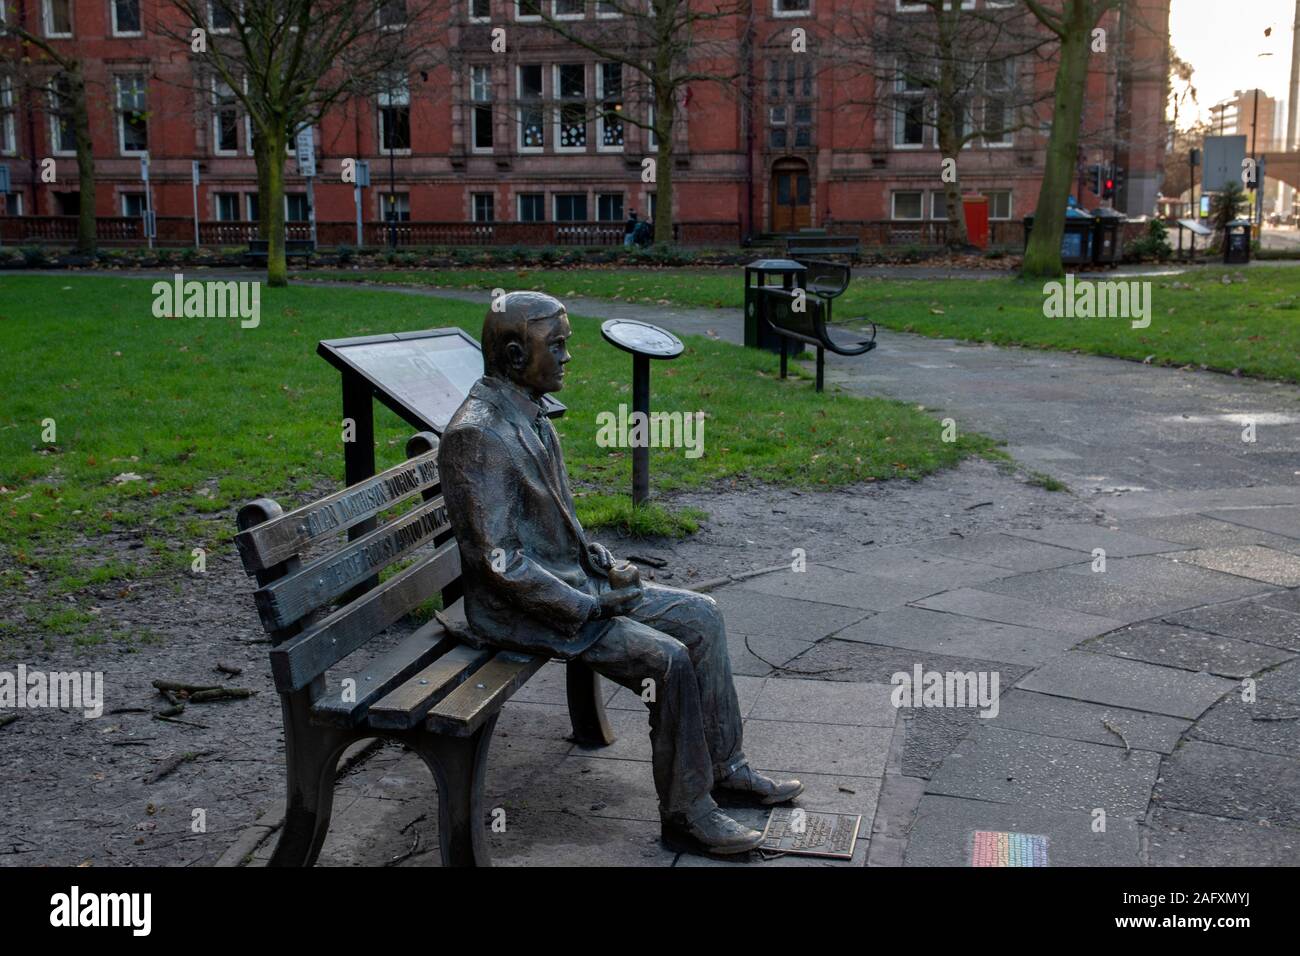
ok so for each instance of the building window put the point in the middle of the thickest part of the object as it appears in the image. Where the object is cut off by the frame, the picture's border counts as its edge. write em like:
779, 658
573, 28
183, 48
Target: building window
999, 85
126, 17
254, 210
791, 8
63, 135
133, 205
132, 127
571, 118
652, 204
609, 88
528, 9
939, 205
480, 93
483, 207
13, 204
651, 136
295, 207
908, 205
225, 118
8, 128
789, 94
532, 207
396, 206
571, 207
568, 9
609, 207
606, 10
395, 117
221, 15
909, 111
57, 15
480, 11
392, 14
67, 204
227, 207
999, 203
532, 115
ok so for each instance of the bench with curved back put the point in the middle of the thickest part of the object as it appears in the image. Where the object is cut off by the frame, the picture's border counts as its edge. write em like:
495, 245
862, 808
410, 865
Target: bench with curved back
435, 694
803, 315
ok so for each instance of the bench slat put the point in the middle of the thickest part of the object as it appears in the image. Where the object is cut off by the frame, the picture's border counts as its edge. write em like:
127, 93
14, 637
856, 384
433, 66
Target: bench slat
466, 708
303, 657
406, 705
293, 596
269, 543
412, 653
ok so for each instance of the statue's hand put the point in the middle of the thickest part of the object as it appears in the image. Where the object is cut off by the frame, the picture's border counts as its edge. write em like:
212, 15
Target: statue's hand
600, 555
620, 601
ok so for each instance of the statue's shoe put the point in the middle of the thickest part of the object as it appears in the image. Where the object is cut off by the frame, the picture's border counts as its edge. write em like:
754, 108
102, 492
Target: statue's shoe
715, 832
751, 786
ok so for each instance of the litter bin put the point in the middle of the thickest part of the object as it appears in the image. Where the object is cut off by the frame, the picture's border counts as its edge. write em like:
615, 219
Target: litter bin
1106, 224
784, 273
1076, 240
1236, 241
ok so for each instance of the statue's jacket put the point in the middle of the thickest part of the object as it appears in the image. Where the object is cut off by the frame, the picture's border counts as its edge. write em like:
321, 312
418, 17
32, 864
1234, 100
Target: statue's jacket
530, 583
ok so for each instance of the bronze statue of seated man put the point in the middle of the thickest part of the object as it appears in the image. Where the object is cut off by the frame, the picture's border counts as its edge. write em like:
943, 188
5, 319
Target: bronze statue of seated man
534, 583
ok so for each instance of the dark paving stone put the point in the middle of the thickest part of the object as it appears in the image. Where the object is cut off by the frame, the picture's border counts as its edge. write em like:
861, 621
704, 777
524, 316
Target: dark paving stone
1272, 726
1132, 684
1283, 520
1078, 720
1176, 838
958, 636
1257, 620
1286, 600
1197, 531
1085, 537
971, 602
827, 585
766, 615
1281, 683
846, 660
1166, 574
913, 566
1172, 646
944, 832
1002, 551
1250, 561
1231, 782
931, 734
1090, 593
1006, 766
757, 655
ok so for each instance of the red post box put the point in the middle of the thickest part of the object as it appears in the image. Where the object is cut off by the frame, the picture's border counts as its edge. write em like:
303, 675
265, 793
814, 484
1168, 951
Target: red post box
977, 219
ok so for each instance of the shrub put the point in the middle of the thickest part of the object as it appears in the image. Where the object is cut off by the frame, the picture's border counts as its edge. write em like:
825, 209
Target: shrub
1154, 245
33, 256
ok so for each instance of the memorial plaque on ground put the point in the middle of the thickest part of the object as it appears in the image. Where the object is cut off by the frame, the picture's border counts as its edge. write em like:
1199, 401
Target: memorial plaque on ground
812, 833
422, 376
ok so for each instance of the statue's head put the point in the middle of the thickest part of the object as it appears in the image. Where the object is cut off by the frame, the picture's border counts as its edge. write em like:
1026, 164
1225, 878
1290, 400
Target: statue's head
525, 340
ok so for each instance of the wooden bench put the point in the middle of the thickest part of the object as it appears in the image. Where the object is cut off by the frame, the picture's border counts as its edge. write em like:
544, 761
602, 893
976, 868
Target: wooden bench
811, 244
259, 249
435, 695
806, 325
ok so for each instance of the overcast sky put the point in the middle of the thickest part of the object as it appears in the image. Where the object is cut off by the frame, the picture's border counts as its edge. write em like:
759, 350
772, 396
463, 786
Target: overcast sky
1222, 39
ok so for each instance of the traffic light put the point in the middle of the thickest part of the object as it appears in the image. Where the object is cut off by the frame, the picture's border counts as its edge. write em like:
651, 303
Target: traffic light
1118, 175
1096, 173
1108, 187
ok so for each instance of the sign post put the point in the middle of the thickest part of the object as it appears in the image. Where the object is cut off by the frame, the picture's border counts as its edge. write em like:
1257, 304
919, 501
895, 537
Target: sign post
362, 181
148, 200
307, 169
194, 186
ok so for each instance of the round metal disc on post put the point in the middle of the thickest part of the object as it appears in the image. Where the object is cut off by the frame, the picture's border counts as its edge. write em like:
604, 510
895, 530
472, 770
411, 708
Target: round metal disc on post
645, 342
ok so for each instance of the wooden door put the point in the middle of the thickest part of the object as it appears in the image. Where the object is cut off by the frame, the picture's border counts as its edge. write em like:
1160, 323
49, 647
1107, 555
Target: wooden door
791, 196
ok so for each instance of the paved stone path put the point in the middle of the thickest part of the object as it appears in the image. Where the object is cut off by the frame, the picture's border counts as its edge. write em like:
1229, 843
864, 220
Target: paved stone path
1149, 708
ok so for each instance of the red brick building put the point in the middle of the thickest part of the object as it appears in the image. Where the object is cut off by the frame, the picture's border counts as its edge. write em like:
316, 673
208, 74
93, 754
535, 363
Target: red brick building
485, 138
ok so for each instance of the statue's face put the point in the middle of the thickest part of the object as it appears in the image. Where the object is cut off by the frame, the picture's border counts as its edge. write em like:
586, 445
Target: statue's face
542, 368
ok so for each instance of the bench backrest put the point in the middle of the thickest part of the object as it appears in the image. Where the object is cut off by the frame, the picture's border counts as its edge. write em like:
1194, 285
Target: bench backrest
779, 308
316, 609
825, 278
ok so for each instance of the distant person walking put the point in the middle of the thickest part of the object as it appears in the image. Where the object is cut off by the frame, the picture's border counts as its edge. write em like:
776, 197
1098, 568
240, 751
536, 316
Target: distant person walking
629, 229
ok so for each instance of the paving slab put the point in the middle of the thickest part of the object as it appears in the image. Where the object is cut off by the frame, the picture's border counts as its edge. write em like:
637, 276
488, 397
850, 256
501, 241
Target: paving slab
1090, 593
958, 636
1255, 620
1285, 600
1250, 561
539, 725
945, 827
552, 838
1269, 725
914, 566
747, 690
822, 748
1281, 683
1177, 838
1007, 766
1167, 575
1086, 537
1282, 519
1172, 646
1132, 684
829, 585
1004, 609
825, 702
1231, 782
1032, 713
931, 734
1205, 501
768, 615
1002, 551
1197, 531
758, 655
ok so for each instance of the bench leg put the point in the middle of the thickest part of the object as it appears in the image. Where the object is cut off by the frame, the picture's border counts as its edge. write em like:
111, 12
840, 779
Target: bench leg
459, 765
821, 366
783, 355
312, 756
586, 708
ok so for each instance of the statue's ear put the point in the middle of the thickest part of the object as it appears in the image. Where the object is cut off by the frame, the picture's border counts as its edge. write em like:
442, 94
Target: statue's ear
516, 355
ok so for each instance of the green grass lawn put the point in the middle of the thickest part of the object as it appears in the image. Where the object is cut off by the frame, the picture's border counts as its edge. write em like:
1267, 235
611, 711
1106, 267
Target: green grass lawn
209, 415
1251, 324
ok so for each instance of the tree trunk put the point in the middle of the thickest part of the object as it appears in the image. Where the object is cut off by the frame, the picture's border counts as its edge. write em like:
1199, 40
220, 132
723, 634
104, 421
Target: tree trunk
948, 119
86, 238
1043, 254
949, 148
665, 110
263, 207
277, 273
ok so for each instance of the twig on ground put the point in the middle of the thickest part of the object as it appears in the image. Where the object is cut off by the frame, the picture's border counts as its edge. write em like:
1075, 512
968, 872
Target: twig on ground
230, 669
1116, 731
170, 764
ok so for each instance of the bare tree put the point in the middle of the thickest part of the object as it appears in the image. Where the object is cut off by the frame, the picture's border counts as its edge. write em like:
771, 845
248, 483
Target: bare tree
935, 65
663, 46
288, 62
48, 74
